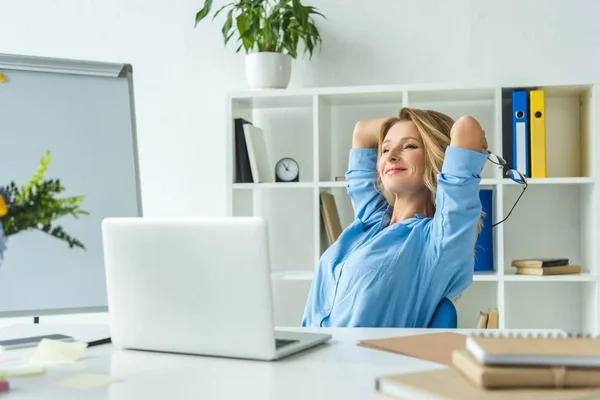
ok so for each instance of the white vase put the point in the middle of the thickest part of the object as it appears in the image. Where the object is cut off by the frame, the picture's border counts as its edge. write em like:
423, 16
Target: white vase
268, 70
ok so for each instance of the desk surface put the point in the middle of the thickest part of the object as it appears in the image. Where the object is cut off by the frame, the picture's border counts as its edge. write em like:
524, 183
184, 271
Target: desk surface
337, 370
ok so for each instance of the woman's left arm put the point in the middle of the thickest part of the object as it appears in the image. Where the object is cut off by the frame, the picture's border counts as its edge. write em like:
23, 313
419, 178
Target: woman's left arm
453, 229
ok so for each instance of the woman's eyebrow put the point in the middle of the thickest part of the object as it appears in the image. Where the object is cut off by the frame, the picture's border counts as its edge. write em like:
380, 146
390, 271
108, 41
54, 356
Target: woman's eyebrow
404, 139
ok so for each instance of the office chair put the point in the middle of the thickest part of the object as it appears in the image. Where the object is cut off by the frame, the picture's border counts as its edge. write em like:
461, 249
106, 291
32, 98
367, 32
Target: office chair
445, 315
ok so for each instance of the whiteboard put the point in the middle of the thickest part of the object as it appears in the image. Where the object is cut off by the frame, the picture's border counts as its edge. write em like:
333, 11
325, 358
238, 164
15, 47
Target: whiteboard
83, 112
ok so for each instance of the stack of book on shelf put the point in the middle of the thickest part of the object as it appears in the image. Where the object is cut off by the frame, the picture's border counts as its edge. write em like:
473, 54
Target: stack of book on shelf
487, 319
545, 266
253, 162
508, 366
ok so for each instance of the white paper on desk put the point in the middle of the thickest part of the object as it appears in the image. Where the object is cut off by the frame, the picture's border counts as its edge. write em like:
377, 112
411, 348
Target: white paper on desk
86, 381
52, 352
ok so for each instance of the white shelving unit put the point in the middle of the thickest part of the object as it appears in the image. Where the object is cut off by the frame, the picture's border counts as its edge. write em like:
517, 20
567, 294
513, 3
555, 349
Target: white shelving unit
556, 217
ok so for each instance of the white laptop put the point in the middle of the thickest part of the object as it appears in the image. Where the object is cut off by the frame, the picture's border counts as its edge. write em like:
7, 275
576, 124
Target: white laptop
195, 286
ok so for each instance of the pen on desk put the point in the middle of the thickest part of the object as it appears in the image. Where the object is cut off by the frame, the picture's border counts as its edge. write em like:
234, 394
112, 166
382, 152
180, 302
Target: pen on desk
99, 342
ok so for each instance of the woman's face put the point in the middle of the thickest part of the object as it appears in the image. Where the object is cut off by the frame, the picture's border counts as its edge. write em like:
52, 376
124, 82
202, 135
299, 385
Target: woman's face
402, 161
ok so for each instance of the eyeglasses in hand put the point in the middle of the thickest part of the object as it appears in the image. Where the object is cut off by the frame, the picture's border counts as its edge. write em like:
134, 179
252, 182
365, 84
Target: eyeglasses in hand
513, 174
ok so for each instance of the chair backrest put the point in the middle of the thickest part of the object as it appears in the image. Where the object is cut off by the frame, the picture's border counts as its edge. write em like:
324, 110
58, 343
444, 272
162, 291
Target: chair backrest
445, 315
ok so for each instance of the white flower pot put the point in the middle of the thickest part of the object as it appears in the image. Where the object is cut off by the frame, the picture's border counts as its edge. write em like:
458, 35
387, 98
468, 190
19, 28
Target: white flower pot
266, 70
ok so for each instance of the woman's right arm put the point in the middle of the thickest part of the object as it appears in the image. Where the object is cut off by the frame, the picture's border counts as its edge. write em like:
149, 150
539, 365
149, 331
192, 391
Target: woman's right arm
362, 169
366, 133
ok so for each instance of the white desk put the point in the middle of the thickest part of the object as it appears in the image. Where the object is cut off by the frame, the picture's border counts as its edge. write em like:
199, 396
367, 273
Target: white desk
337, 370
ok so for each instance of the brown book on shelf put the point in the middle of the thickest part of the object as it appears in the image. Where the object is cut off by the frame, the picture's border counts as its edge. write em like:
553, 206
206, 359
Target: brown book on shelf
331, 217
564, 270
509, 376
492, 322
449, 383
482, 320
540, 262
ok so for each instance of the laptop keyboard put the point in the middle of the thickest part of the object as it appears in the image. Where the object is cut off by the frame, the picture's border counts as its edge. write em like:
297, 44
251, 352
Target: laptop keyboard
283, 342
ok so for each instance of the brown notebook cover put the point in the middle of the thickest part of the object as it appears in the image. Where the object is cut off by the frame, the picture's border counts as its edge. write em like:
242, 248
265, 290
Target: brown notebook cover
435, 347
493, 377
448, 383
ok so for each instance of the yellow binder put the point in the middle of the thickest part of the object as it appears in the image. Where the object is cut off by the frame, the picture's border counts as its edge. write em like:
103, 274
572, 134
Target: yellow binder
537, 113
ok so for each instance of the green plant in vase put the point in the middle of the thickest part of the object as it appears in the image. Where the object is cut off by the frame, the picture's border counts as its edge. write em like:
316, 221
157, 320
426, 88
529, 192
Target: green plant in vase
35, 206
269, 32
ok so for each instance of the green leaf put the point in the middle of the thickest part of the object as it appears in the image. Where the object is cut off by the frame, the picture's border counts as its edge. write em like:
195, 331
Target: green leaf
200, 15
243, 24
227, 26
221, 9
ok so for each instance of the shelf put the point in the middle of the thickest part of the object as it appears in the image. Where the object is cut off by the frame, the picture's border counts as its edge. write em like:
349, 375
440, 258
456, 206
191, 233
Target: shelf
583, 277
485, 276
274, 185
542, 181
295, 275
302, 275
333, 184
343, 184
450, 95
272, 99
556, 216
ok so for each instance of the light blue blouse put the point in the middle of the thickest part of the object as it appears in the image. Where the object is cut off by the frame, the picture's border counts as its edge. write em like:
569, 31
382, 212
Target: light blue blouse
381, 275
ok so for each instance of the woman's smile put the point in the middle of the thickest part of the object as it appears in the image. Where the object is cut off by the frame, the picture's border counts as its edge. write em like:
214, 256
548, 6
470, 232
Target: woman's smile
394, 170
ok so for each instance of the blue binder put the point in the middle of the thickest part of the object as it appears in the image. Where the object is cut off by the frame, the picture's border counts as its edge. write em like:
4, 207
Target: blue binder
520, 130
484, 246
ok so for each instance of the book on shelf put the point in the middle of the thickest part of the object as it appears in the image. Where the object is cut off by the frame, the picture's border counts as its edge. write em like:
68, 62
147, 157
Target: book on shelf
330, 217
258, 155
243, 171
545, 266
482, 320
487, 319
253, 162
562, 270
540, 262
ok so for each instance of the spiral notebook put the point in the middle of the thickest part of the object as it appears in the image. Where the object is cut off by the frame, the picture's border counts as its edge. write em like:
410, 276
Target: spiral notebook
512, 349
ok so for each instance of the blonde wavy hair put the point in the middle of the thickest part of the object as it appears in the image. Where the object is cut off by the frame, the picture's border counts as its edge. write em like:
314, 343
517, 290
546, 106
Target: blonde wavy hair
434, 128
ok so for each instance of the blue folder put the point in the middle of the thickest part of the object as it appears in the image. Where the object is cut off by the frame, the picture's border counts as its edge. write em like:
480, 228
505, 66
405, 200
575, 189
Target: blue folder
484, 246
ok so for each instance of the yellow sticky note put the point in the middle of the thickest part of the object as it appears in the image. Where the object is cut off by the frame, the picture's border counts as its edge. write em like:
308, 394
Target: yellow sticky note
87, 381
2, 77
50, 352
23, 370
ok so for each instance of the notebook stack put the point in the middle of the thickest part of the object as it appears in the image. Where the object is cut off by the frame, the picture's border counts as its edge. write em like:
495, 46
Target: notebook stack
545, 266
492, 365
492, 361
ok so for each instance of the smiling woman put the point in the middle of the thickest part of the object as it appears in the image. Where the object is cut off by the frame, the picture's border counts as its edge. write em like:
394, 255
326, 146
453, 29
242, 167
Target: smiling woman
414, 185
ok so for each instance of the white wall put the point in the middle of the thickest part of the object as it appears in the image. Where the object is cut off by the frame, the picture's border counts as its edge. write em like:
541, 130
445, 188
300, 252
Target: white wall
182, 74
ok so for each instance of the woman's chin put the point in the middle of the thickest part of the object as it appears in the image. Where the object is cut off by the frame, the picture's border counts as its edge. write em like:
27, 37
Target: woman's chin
398, 188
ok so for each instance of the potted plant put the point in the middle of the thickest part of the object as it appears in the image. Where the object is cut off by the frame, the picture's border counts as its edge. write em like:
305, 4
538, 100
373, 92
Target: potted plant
35, 207
269, 32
